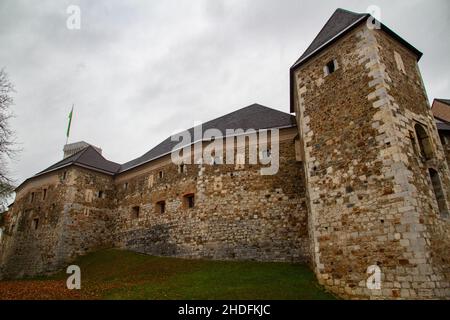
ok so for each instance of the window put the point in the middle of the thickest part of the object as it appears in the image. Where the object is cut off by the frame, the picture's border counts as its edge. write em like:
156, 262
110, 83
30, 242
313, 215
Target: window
438, 192
64, 175
160, 175
32, 197
125, 186
100, 194
182, 168
424, 142
135, 212
35, 223
44, 194
330, 67
188, 201
161, 206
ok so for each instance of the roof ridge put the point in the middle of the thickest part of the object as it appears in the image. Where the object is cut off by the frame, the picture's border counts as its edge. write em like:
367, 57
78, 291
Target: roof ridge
445, 101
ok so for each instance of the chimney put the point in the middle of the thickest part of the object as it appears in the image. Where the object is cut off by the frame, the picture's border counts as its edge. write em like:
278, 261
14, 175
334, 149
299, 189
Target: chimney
72, 148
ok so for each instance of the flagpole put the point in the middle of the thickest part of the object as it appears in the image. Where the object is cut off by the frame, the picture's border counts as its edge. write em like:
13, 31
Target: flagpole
70, 122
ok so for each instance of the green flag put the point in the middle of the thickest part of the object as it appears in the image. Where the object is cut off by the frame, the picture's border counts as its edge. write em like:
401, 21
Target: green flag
70, 121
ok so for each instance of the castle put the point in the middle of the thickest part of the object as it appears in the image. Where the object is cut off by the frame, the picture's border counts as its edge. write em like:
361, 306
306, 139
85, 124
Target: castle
363, 180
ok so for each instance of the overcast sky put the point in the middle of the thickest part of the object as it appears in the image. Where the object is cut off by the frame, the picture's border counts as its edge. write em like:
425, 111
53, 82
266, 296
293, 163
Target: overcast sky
137, 71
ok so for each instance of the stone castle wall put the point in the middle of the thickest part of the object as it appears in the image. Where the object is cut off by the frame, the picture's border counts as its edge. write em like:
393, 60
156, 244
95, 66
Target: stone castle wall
370, 201
43, 234
238, 214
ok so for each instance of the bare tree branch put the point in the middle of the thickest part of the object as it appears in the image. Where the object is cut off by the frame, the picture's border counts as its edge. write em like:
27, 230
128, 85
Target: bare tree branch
7, 142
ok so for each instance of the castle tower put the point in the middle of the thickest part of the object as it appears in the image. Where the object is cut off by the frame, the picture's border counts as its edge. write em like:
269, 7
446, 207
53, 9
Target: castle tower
377, 180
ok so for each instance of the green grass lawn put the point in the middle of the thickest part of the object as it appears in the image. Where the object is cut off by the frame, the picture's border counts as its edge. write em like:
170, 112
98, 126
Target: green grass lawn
117, 274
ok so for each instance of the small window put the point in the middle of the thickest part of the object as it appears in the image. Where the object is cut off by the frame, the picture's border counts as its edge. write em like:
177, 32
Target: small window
161, 206
64, 175
35, 223
125, 186
100, 194
44, 194
13, 226
424, 142
32, 197
189, 201
330, 67
182, 168
161, 175
135, 212
438, 192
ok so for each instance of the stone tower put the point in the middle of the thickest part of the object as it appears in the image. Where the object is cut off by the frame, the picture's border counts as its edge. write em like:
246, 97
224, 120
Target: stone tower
377, 180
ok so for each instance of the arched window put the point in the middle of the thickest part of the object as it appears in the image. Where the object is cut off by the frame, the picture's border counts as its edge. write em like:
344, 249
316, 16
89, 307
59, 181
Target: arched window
438, 192
424, 141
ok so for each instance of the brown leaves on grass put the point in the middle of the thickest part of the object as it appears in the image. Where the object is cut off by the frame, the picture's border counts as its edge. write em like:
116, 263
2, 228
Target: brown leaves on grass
44, 290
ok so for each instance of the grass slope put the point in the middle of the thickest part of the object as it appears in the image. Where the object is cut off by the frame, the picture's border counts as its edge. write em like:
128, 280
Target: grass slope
117, 274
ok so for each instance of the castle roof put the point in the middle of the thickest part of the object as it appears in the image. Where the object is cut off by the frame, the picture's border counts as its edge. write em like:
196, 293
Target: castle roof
254, 116
89, 158
339, 24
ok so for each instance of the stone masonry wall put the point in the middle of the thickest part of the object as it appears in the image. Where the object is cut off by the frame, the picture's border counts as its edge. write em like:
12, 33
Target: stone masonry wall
429, 268
361, 186
67, 225
238, 213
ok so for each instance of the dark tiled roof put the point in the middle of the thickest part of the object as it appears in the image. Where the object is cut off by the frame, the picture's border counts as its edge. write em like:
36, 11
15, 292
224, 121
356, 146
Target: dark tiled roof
89, 158
340, 23
446, 101
254, 116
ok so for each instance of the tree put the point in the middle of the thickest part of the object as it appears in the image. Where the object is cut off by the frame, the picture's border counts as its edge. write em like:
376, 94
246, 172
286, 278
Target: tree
6, 137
